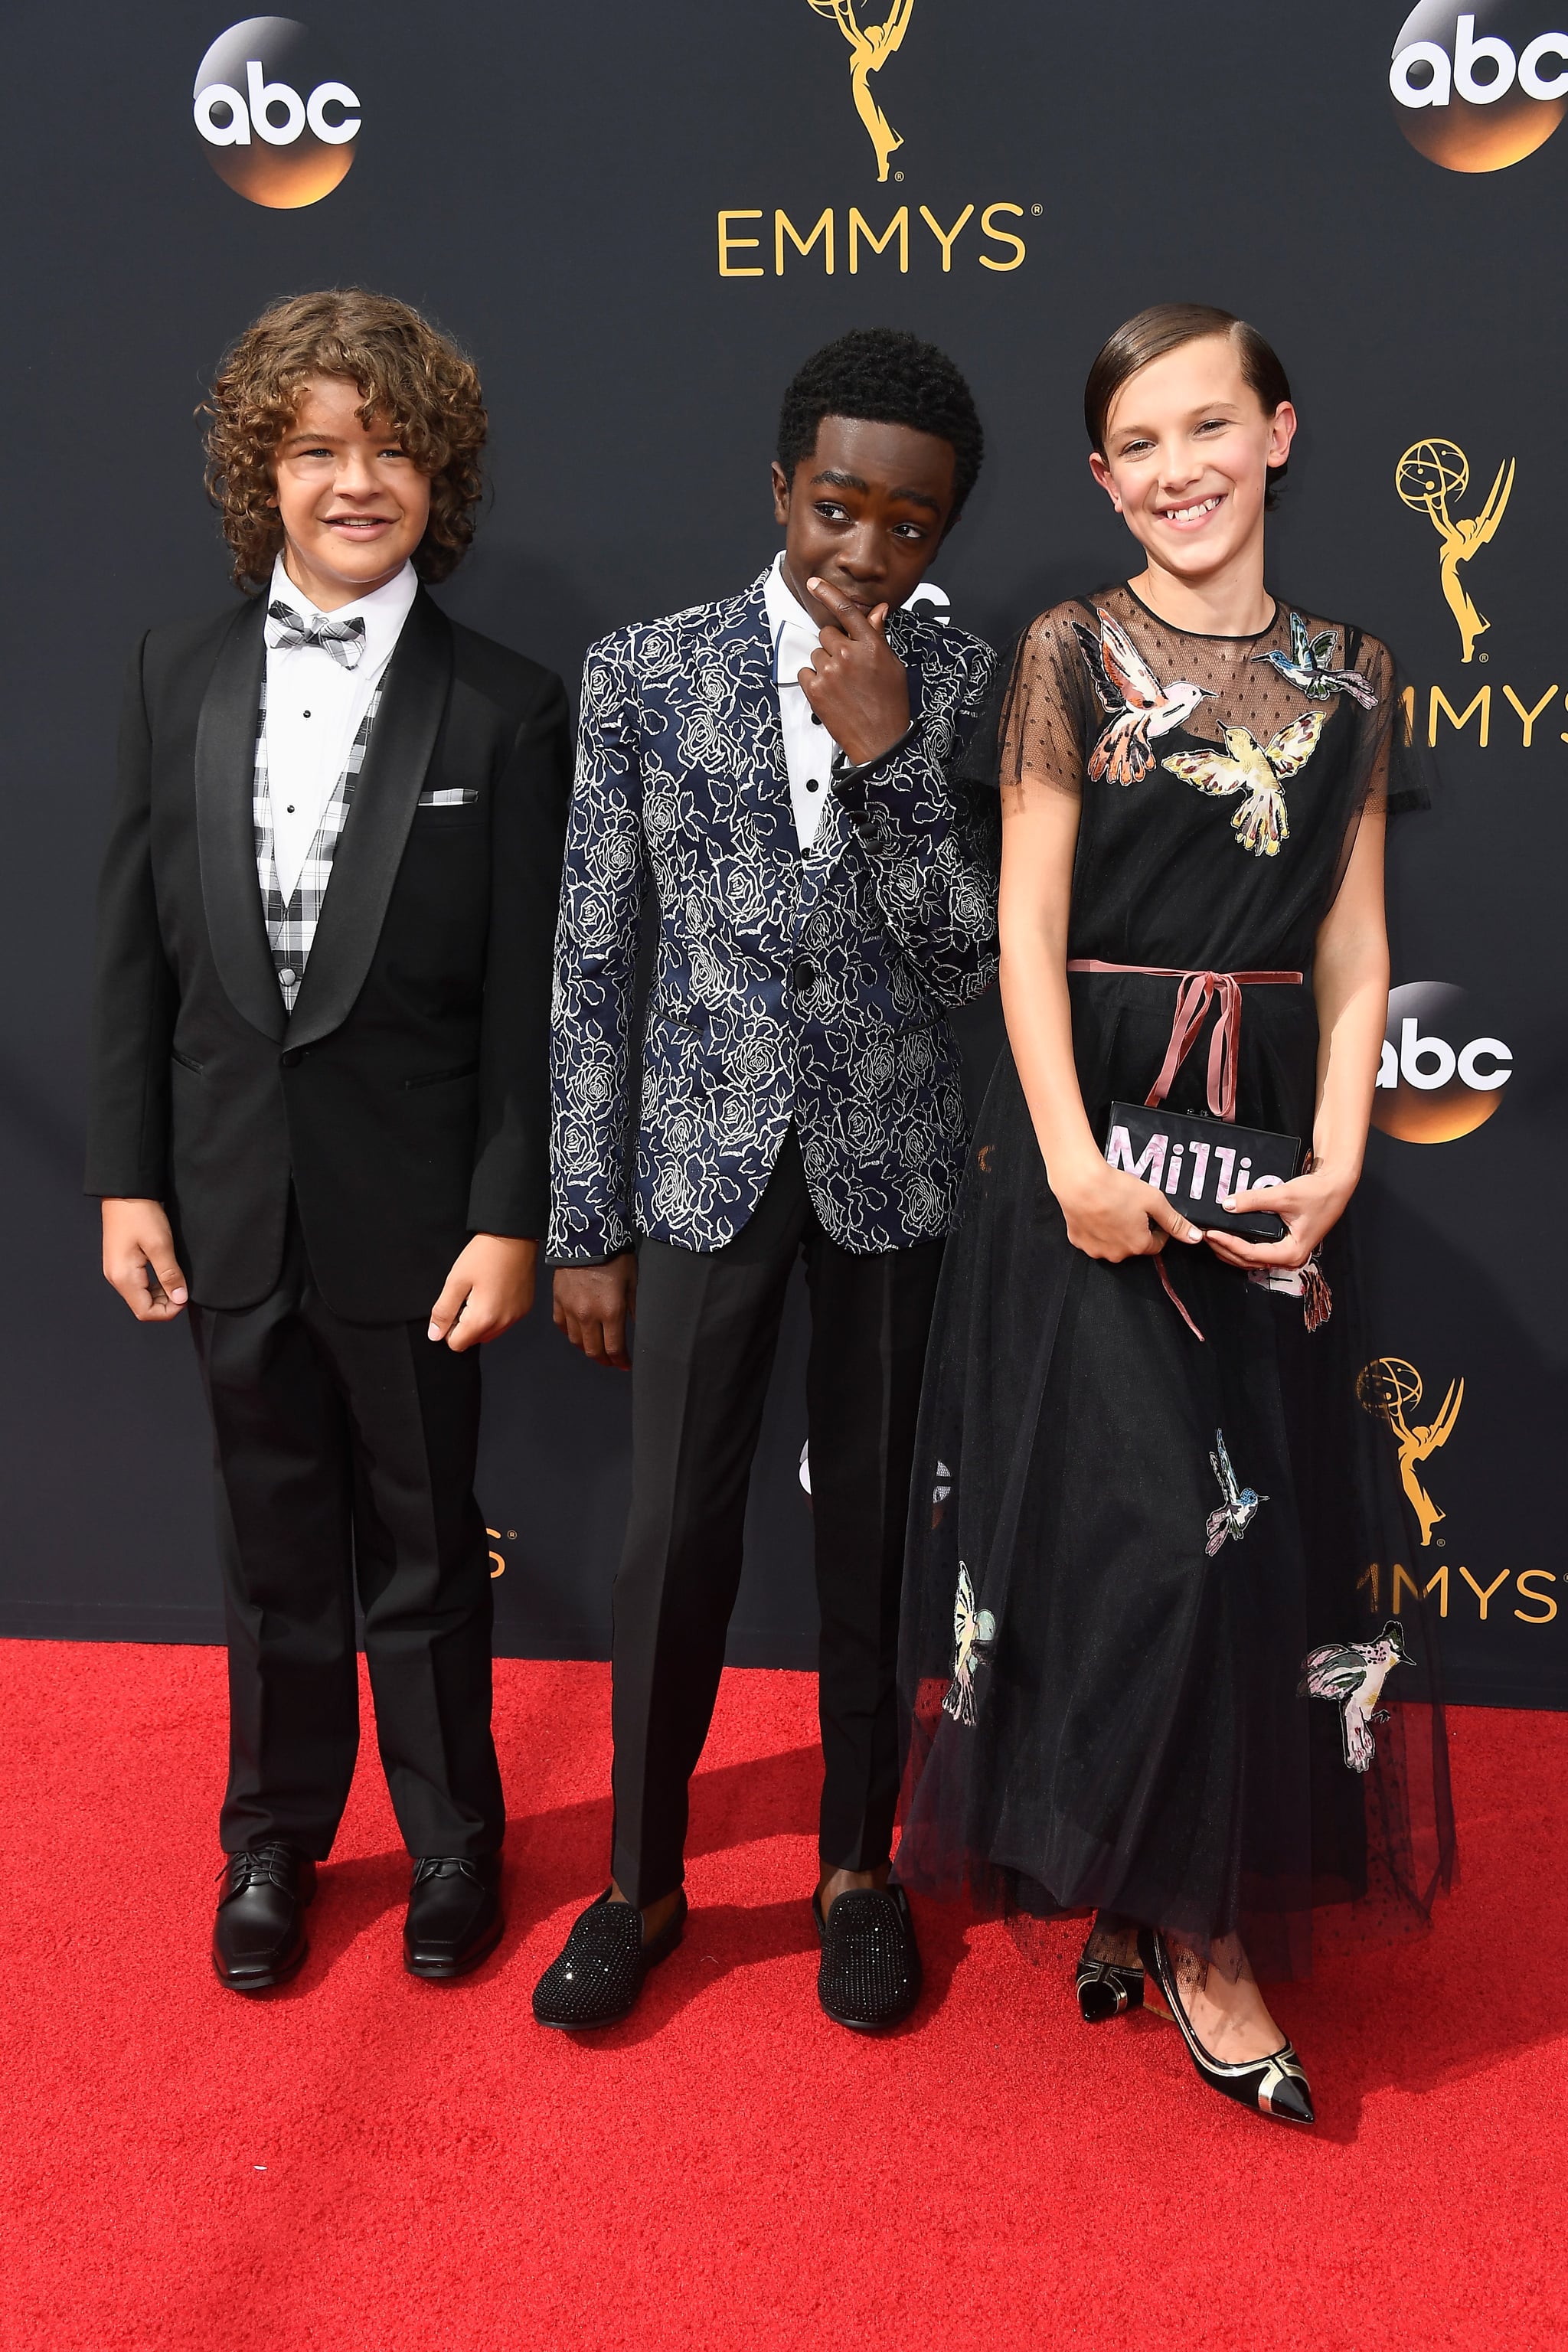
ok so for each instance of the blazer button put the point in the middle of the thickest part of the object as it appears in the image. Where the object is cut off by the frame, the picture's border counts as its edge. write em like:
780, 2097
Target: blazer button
291, 1057
803, 974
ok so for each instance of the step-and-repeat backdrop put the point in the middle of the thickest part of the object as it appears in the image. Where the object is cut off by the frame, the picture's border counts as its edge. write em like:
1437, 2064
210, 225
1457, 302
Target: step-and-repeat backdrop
640, 218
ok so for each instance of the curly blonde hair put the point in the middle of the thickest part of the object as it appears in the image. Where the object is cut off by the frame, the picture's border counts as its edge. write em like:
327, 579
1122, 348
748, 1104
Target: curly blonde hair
406, 371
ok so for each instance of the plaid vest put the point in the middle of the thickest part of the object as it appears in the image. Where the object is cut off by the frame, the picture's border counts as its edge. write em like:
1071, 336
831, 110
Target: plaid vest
292, 922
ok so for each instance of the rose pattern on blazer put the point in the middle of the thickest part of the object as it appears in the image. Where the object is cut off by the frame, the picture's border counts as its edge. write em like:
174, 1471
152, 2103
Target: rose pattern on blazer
809, 986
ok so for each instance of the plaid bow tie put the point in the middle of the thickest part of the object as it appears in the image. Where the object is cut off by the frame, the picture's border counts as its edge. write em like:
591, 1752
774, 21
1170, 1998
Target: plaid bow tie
344, 640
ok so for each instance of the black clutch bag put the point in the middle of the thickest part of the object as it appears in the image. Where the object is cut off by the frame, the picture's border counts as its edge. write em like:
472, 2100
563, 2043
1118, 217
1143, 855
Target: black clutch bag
1198, 1162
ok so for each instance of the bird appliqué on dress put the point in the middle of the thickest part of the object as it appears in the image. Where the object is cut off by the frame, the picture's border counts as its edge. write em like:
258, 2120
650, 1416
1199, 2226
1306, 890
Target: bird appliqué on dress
1351, 1672
973, 1631
1259, 770
1136, 704
1307, 1283
1309, 666
1236, 1512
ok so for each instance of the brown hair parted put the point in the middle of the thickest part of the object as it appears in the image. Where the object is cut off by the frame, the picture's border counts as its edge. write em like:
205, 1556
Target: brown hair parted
1165, 327
406, 371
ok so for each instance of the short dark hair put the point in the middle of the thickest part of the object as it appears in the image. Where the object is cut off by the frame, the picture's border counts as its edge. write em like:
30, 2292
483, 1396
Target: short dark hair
1165, 327
887, 377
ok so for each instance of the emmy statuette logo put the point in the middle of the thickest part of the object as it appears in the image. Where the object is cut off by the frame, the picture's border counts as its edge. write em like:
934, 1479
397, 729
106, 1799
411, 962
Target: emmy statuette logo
1434, 1082
818, 232
870, 46
1389, 1389
1477, 89
276, 122
1429, 478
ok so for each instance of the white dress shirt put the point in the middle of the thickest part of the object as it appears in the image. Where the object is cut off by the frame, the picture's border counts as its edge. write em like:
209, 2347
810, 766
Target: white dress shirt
808, 745
314, 707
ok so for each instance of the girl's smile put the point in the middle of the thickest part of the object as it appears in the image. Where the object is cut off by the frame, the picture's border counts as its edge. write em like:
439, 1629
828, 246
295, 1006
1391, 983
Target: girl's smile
1185, 457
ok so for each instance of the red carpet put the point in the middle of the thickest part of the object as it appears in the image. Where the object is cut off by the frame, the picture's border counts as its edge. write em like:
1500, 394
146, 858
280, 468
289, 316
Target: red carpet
364, 2161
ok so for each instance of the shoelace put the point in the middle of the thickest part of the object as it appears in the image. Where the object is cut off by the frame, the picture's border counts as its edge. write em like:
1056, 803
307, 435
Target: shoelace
274, 1861
432, 1866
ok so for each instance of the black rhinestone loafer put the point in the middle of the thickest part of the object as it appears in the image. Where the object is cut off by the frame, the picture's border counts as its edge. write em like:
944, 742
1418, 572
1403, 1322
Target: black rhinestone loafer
870, 1976
602, 1965
453, 1915
258, 1933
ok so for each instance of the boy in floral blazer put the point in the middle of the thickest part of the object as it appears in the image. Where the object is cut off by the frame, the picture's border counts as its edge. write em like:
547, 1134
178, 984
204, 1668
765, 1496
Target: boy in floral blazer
776, 768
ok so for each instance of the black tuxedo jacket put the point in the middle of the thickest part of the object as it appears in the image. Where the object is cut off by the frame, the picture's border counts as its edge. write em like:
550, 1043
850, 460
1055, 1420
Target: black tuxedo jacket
406, 1099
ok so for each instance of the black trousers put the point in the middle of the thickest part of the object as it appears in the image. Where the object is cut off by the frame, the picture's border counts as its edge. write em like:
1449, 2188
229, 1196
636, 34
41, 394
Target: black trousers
707, 1329
345, 1452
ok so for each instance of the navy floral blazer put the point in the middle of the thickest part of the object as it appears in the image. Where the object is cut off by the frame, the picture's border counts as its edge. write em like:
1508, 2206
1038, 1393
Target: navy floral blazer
787, 986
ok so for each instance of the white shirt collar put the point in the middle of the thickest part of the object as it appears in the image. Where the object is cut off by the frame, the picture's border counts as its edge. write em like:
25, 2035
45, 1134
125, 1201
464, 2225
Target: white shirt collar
384, 610
787, 616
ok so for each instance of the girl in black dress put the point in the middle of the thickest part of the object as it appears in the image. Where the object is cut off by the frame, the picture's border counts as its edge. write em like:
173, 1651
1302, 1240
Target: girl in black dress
1144, 1635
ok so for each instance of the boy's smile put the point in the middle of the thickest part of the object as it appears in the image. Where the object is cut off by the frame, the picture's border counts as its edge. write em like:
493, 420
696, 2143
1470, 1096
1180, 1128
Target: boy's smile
866, 512
353, 506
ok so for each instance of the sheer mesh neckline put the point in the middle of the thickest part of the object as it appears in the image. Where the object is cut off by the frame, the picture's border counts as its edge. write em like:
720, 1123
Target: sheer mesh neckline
1103, 690
1209, 636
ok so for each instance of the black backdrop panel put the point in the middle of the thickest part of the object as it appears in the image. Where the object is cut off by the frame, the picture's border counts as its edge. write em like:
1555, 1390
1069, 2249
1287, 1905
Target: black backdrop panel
567, 189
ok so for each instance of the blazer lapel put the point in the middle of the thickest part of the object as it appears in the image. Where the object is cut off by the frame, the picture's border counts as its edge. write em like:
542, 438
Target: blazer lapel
225, 824
748, 644
412, 703
908, 642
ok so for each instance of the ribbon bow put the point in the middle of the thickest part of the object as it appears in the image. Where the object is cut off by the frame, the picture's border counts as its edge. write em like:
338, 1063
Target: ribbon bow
1196, 993
344, 640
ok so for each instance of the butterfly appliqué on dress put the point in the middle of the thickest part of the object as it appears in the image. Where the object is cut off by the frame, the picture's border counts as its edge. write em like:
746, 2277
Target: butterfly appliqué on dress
1352, 1674
973, 1631
1239, 1508
1309, 666
1136, 704
1259, 770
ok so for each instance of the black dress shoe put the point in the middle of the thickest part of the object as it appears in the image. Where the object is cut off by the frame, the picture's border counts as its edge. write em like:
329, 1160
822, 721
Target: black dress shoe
602, 1965
871, 1973
259, 1935
453, 1915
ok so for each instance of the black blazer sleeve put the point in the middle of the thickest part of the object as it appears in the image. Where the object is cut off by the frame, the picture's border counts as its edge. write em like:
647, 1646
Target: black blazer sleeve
510, 1190
133, 988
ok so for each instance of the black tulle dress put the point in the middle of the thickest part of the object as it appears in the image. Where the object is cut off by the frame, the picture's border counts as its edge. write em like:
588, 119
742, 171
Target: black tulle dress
1128, 1541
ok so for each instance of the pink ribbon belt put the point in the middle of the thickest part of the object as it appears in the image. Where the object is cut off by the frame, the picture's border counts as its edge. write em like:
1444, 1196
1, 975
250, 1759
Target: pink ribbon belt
1198, 990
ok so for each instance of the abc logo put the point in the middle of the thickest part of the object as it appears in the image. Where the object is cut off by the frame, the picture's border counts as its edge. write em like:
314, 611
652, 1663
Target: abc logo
930, 603
278, 124
1478, 88
1436, 1081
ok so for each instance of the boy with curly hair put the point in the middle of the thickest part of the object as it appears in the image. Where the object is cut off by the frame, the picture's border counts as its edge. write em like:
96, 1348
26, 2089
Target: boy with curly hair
319, 1091
778, 769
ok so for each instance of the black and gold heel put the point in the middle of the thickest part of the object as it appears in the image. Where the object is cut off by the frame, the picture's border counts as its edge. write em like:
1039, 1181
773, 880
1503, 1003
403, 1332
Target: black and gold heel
1276, 2085
1107, 1989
